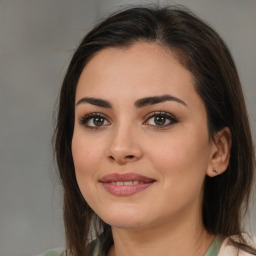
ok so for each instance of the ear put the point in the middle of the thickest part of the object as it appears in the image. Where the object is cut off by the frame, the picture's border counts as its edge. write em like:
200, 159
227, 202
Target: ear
219, 152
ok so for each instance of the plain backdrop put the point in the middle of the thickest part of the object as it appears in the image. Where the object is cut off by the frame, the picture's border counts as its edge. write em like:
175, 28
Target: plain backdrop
37, 39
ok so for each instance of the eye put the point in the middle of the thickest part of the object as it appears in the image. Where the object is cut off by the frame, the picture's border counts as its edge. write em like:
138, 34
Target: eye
94, 121
160, 119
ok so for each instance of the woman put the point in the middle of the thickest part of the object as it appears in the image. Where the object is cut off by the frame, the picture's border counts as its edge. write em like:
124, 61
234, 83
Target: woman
153, 145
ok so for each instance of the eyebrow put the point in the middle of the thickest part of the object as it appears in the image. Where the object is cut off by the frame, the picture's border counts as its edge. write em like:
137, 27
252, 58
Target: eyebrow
139, 103
157, 99
96, 102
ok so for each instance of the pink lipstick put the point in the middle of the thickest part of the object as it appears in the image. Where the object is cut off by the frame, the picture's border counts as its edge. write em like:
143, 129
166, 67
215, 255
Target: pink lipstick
125, 184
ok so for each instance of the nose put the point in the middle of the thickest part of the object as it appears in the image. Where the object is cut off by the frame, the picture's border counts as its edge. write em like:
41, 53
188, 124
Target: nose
124, 147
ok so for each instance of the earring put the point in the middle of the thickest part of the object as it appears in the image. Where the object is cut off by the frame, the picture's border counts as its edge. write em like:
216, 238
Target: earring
215, 170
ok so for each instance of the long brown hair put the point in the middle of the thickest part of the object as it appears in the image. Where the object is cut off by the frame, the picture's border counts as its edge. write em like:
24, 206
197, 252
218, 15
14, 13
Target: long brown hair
199, 49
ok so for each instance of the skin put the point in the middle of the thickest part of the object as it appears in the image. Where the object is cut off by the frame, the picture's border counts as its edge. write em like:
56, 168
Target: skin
166, 217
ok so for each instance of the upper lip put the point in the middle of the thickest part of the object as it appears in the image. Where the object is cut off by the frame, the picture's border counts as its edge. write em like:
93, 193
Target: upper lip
114, 177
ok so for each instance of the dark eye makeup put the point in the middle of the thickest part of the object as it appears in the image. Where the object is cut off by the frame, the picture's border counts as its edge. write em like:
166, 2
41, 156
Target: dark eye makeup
156, 119
94, 121
160, 119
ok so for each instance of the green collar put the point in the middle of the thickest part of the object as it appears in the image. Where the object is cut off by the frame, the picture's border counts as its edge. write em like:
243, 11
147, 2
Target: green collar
214, 247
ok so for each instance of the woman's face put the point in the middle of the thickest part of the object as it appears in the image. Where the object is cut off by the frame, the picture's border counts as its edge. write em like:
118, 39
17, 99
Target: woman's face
140, 146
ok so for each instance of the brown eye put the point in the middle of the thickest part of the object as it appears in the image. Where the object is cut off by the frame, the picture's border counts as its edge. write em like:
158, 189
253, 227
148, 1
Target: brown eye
98, 121
94, 121
159, 120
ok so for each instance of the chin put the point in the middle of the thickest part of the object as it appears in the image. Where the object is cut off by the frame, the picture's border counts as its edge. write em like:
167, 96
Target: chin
129, 225
127, 220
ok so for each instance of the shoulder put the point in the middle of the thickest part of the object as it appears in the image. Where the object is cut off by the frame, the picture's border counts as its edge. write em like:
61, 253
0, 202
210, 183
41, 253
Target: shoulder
229, 249
101, 245
55, 252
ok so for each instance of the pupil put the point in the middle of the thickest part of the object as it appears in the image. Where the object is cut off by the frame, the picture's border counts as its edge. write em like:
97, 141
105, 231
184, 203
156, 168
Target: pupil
98, 121
160, 120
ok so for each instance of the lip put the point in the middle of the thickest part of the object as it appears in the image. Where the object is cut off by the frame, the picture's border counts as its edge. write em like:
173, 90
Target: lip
111, 183
114, 177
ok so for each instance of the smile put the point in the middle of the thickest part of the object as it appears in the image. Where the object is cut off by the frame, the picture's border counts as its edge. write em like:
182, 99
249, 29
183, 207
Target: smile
125, 184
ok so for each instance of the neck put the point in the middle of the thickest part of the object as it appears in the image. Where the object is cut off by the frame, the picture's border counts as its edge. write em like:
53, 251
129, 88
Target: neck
190, 238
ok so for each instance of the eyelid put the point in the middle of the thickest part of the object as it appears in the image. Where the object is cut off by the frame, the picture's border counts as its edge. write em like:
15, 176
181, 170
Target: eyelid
171, 117
84, 119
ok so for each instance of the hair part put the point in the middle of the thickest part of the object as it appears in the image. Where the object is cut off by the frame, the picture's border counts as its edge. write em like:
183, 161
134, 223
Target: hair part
200, 50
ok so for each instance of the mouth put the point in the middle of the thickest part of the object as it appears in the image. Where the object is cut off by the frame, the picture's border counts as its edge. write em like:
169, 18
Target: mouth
125, 184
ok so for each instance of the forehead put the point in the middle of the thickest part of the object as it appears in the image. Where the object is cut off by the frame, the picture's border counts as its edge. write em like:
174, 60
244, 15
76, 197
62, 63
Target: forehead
143, 69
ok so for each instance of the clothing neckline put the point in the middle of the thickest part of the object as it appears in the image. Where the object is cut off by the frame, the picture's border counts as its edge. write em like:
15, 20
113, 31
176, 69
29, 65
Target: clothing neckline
214, 248
101, 246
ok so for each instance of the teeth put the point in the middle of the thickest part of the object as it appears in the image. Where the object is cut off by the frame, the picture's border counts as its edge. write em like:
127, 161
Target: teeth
126, 183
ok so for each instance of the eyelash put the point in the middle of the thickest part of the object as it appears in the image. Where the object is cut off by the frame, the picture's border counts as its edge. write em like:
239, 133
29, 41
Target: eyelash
163, 114
84, 121
172, 120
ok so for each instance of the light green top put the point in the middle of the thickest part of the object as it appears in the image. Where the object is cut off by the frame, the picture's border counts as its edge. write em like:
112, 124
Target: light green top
55, 252
214, 248
212, 251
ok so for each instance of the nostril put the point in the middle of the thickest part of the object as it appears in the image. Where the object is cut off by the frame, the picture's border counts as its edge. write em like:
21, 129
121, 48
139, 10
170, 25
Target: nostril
129, 157
121, 158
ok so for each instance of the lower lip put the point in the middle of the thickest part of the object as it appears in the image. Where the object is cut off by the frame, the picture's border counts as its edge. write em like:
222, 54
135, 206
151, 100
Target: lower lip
126, 190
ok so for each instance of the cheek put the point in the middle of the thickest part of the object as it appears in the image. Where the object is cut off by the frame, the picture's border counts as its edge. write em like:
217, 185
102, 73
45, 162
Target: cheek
86, 160
86, 151
182, 160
